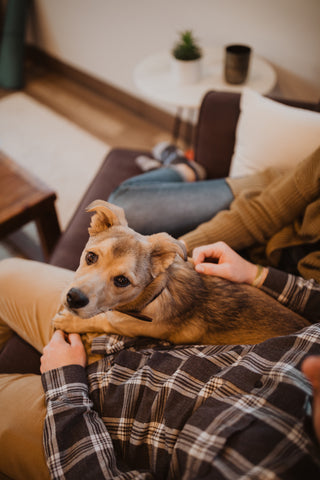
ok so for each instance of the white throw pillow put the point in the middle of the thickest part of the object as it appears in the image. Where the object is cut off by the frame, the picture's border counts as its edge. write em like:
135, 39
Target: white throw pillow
272, 134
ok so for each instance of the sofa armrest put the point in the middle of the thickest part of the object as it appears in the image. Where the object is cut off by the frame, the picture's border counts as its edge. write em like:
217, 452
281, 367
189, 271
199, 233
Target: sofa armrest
215, 132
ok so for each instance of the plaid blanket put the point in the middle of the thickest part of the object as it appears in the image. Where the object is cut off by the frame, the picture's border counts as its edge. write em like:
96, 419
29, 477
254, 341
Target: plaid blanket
188, 412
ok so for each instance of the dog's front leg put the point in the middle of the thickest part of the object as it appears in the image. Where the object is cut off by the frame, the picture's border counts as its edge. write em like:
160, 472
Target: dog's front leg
72, 323
109, 322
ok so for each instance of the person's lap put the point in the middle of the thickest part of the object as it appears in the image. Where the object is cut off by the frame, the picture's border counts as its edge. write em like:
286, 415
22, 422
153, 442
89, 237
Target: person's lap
21, 428
31, 293
30, 297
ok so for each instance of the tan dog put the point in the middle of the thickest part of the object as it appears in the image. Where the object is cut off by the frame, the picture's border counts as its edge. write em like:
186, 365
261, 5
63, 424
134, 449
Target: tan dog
136, 285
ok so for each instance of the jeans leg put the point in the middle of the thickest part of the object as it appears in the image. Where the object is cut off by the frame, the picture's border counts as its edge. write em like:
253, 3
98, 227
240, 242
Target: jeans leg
161, 201
159, 175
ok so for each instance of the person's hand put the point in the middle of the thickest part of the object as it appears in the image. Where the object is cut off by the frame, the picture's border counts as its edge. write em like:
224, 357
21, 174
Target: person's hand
61, 352
229, 264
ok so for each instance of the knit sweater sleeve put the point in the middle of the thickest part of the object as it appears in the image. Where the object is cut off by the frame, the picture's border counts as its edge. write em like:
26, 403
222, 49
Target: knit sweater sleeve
253, 218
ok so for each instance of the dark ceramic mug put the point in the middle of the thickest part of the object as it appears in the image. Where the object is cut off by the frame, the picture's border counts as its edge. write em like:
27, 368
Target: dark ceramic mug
236, 65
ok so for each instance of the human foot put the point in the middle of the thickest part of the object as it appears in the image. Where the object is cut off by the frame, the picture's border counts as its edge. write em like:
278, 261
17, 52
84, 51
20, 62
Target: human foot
146, 163
168, 155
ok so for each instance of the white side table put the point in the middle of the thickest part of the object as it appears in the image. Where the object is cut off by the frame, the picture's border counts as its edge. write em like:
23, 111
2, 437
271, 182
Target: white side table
154, 79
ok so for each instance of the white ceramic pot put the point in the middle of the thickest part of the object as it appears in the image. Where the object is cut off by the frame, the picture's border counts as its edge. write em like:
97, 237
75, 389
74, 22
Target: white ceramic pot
186, 72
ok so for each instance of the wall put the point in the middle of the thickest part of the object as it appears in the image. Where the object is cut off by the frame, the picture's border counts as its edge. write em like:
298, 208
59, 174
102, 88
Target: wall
106, 38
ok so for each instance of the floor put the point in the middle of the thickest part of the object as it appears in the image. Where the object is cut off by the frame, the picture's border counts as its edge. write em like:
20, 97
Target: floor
102, 117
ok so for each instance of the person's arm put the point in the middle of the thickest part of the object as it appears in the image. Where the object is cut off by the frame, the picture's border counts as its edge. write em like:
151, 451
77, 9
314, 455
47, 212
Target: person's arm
76, 441
296, 293
300, 295
254, 219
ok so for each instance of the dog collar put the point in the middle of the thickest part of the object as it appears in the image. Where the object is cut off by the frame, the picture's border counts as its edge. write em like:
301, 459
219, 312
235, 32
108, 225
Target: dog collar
135, 311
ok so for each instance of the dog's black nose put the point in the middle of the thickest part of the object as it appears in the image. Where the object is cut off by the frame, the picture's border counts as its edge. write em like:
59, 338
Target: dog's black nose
76, 298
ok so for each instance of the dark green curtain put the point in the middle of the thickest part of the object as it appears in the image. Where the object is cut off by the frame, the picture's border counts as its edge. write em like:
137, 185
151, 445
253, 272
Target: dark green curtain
12, 44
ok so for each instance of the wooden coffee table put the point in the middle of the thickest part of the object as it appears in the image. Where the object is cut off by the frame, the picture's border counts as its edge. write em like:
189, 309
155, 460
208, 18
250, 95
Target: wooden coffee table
24, 198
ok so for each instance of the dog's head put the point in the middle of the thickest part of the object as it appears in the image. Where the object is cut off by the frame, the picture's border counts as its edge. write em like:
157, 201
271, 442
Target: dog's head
117, 264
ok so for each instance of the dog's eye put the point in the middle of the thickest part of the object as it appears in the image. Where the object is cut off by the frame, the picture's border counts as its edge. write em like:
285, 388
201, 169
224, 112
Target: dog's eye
121, 281
91, 258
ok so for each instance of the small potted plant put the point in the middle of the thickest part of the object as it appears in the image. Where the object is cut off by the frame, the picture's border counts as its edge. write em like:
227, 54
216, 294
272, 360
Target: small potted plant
186, 63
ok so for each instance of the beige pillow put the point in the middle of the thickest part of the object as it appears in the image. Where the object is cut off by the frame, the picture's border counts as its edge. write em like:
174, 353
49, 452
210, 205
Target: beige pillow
272, 134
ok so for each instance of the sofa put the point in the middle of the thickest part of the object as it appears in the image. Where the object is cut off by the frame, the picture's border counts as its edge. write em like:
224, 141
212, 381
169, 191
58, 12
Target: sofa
214, 144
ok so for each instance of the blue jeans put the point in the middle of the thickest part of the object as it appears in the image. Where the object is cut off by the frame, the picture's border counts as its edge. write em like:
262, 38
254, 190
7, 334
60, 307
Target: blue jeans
161, 201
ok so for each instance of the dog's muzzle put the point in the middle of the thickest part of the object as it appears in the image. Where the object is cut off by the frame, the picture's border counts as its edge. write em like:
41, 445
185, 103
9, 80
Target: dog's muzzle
76, 298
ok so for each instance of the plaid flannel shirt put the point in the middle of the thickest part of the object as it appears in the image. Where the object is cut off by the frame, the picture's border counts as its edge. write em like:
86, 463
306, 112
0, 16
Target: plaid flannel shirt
189, 412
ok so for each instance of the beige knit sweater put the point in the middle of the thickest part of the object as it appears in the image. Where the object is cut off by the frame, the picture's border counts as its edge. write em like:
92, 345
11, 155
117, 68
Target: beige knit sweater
273, 211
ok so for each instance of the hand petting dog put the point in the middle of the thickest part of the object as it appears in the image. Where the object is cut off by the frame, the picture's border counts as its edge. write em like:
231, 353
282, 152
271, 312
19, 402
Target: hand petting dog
228, 265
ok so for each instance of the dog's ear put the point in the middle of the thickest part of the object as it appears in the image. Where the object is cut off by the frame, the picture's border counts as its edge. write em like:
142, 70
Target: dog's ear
106, 215
164, 250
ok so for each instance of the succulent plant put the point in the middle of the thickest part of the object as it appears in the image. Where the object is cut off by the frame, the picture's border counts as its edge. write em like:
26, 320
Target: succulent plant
187, 47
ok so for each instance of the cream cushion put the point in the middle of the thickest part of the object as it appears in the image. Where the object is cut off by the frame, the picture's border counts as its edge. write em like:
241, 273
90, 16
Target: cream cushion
272, 134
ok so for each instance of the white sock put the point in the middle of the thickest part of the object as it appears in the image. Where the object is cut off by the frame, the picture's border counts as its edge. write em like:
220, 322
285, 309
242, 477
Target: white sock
147, 163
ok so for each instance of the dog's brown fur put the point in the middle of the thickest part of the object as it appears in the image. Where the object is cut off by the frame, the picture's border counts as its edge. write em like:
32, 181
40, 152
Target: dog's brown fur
166, 297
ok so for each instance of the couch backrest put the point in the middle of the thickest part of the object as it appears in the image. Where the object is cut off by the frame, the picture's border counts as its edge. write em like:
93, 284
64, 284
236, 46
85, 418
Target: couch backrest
216, 129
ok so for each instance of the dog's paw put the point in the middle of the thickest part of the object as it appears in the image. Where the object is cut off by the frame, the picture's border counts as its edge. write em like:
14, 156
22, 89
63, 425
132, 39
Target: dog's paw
66, 321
